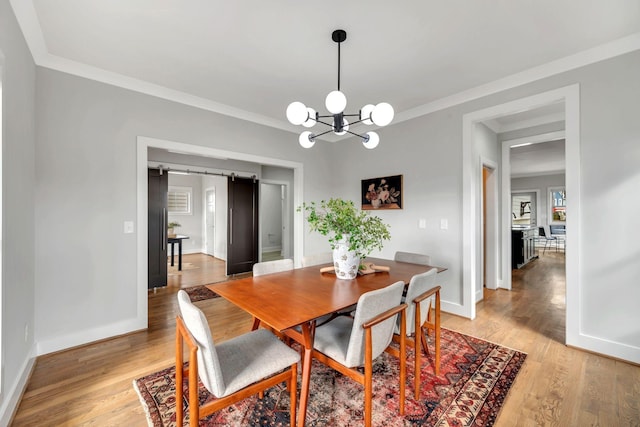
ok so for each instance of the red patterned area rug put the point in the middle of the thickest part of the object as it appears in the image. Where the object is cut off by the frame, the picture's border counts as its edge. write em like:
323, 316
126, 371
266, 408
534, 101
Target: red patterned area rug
475, 377
200, 293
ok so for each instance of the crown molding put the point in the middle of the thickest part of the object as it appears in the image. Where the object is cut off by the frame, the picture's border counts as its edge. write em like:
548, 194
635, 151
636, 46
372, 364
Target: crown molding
596, 54
28, 21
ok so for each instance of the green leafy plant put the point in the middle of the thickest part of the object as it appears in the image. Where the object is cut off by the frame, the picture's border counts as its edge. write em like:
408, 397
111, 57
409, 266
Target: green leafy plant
173, 224
339, 219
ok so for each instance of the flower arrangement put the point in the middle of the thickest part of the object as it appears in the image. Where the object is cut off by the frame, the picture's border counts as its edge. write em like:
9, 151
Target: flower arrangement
339, 219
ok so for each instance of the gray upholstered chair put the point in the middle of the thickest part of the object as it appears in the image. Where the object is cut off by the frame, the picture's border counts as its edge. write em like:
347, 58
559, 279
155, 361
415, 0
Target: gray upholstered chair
346, 343
317, 259
232, 370
269, 267
413, 258
418, 298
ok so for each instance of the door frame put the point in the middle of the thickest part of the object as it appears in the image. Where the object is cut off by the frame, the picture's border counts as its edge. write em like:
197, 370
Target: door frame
570, 96
493, 227
143, 144
206, 239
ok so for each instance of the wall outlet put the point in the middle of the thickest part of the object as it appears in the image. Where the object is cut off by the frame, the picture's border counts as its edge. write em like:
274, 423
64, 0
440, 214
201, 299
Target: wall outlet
422, 223
26, 332
128, 227
444, 224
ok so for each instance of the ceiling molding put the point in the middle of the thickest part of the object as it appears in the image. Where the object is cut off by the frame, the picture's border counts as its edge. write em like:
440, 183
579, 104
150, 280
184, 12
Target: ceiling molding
28, 21
581, 59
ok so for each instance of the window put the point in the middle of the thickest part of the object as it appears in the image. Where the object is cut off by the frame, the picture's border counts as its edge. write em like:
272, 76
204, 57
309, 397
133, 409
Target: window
558, 205
179, 200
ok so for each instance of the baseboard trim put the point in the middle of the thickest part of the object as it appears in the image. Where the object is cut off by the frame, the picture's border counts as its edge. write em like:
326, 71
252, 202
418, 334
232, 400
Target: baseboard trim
87, 336
453, 308
11, 400
604, 347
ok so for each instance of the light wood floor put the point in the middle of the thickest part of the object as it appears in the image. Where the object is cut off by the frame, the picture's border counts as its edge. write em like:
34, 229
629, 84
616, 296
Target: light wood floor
557, 386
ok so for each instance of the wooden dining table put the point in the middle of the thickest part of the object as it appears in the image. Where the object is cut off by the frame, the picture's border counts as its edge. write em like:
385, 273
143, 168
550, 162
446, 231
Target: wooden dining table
296, 298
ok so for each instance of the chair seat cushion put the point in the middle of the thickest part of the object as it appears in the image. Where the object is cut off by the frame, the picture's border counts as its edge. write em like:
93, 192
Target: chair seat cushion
251, 357
332, 338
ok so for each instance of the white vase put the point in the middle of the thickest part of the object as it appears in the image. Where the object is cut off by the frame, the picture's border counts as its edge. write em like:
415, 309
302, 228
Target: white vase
345, 262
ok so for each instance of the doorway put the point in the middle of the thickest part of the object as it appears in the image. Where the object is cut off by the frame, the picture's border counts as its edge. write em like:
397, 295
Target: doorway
142, 159
490, 229
275, 236
569, 97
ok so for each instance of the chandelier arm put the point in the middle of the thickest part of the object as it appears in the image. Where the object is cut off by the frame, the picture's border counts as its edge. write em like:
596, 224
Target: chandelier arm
357, 121
356, 134
323, 133
324, 123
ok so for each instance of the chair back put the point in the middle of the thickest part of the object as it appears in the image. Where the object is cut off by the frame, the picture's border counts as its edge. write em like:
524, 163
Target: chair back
413, 258
541, 232
209, 369
369, 306
268, 267
317, 259
419, 284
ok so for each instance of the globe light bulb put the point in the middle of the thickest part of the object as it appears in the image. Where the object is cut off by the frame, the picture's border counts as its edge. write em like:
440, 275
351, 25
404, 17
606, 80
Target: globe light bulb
336, 102
372, 141
365, 114
311, 120
297, 113
307, 139
345, 127
382, 114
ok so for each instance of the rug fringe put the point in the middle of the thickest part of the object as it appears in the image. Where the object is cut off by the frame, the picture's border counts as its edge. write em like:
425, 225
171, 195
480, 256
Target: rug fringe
145, 407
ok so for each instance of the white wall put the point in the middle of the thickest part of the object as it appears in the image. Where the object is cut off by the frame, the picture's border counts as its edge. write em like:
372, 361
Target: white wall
86, 166
427, 151
18, 204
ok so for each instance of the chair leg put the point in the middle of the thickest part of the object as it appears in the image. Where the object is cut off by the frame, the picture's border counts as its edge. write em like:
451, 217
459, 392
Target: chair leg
293, 389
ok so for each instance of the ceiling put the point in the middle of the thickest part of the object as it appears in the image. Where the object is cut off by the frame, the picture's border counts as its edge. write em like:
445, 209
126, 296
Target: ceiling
250, 59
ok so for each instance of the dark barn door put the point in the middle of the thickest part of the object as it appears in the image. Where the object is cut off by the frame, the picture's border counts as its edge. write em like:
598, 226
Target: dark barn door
242, 225
157, 227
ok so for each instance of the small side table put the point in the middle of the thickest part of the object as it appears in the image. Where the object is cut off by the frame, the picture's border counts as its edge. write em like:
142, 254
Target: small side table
172, 241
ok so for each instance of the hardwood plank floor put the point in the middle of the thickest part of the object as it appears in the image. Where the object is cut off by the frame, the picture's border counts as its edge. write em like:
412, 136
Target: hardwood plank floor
558, 386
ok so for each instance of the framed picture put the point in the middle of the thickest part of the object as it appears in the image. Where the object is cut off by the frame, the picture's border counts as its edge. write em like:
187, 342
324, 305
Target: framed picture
382, 193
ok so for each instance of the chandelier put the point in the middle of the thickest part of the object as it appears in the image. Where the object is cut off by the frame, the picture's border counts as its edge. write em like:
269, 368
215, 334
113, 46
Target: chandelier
299, 114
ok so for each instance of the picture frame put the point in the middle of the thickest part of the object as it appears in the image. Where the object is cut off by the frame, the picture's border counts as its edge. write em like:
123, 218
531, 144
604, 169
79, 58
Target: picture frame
382, 193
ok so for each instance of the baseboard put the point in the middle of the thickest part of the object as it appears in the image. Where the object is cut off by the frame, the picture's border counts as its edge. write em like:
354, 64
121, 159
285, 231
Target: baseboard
605, 347
87, 336
271, 249
11, 400
453, 308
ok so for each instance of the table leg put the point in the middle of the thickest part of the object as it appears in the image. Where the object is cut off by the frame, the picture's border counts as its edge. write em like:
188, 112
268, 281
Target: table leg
180, 255
171, 253
308, 331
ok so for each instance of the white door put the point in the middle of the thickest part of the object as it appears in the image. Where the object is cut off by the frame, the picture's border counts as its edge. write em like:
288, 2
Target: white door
210, 220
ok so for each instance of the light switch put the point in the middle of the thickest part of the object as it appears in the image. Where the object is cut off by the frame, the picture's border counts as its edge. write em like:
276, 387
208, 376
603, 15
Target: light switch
422, 223
444, 224
128, 227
